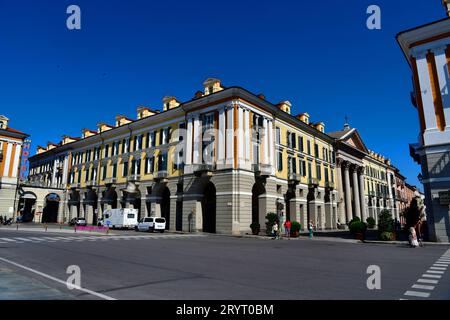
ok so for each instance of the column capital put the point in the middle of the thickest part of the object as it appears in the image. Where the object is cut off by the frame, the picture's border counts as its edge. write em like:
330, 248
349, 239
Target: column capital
361, 170
438, 50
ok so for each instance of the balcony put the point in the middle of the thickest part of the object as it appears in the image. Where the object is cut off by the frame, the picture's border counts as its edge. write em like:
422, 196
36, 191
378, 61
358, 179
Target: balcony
110, 180
90, 183
330, 185
160, 176
134, 178
262, 170
294, 178
313, 182
204, 169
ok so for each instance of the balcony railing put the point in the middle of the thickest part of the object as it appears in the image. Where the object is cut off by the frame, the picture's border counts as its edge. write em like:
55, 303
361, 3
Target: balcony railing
294, 178
110, 180
262, 169
160, 175
313, 182
134, 178
330, 185
204, 168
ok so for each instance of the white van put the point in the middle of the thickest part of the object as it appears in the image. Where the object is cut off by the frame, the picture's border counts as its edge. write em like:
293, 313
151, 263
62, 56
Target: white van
120, 218
151, 224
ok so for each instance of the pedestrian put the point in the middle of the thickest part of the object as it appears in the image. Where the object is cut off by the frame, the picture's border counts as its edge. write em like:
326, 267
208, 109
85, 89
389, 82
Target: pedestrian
275, 230
287, 228
311, 229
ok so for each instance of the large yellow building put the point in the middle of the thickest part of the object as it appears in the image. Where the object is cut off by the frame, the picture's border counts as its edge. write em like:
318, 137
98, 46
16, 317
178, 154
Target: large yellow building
215, 163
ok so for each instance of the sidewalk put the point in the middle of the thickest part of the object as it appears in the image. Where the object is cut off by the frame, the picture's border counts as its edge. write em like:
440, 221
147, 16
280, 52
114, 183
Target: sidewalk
53, 228
14, 286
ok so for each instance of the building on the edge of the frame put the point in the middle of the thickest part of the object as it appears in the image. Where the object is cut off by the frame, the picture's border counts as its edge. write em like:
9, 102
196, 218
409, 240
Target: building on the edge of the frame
11, 143
427, 52
259, 159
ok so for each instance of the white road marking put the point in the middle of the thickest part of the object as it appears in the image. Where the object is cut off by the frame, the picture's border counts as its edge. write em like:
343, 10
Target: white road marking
23, 239
428, 281
434, 271
100, 295
7, 239
440, 265
417, 294
435, 276
438, 268
421, 286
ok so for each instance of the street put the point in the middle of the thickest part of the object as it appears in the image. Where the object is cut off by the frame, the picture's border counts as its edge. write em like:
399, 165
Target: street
199, 266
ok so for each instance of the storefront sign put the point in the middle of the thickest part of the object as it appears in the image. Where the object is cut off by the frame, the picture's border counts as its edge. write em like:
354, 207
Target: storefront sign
25, 154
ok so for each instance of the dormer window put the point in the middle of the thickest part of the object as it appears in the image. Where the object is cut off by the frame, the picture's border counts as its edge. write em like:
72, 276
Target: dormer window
2, 125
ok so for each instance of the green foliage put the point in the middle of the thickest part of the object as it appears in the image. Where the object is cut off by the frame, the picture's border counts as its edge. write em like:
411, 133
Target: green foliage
387, 236
414, 212
295, 227
357, 226
255, 226
271, 218
370, 222
385, 221
355, 219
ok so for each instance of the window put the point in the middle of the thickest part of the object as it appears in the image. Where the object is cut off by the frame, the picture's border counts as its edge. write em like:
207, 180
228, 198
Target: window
94, 174
87, 174
308, 146
280, 161
300, 143
326, 174
149, 164
114, 170
107, 151
319, 171
303, 168
316, 150
136, 166
125, 145
309, 169
293, 140
277, 135
125, 169
105, 170
2, 125
162, 162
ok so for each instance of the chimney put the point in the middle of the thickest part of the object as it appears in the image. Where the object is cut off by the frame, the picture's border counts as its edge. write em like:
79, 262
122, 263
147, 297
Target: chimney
212, 85
446, 4
170, 103
285, 106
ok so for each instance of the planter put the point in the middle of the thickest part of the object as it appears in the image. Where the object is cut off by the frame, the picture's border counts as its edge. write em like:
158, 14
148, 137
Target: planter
295, 234
255, 232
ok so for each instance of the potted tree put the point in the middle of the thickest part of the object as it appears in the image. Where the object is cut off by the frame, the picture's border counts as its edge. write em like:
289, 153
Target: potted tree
256, 227
295, 229
358, 229
370, 222
271, 218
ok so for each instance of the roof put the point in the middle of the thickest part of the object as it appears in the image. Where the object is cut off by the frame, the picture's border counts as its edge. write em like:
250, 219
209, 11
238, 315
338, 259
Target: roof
11, 130
338, 134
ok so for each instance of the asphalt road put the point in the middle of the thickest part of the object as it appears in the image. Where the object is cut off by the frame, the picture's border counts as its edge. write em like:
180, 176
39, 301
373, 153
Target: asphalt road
168, 266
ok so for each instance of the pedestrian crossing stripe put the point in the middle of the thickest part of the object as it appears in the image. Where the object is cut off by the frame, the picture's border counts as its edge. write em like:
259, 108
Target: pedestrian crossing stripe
17, 240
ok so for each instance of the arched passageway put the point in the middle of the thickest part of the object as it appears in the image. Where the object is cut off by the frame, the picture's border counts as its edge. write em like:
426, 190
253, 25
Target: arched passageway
209, 208
165, 206
257, 190
27, 203
51, 207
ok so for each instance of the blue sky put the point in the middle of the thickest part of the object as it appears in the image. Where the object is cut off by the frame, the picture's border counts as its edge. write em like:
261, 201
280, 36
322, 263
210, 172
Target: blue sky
317, 54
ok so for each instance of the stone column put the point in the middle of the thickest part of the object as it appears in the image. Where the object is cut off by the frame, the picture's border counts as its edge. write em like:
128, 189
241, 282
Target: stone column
266, 142
188, 158
341, 195
356, 195
247, 135
230, 136
362, 194
197, 141
271, 146
348, 196
221, 138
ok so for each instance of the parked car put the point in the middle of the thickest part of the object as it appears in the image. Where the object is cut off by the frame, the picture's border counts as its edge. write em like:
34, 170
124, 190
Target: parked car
151, 224
78, 222
120, 218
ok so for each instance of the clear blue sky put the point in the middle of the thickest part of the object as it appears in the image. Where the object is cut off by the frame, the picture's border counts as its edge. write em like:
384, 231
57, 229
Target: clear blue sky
317, 54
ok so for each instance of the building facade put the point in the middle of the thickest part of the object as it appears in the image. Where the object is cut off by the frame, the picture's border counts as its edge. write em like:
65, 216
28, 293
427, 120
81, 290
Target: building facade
215, 163
427, 51
11, 143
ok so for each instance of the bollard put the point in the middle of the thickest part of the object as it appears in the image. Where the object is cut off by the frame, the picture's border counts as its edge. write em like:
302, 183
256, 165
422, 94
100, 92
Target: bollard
17, 226
75, 229
45, 228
